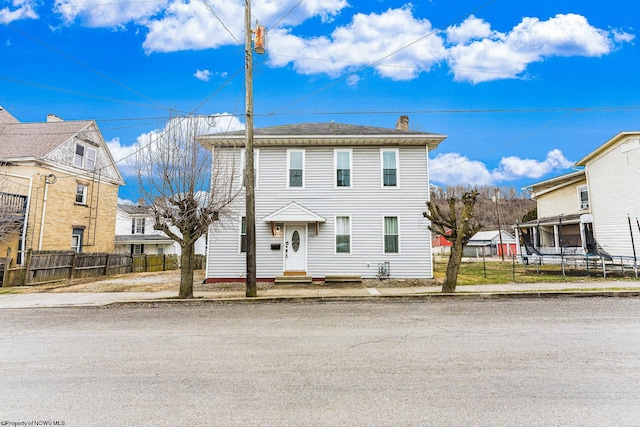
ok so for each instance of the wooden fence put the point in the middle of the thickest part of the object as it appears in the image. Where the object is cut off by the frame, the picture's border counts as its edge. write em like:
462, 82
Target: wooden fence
52, 266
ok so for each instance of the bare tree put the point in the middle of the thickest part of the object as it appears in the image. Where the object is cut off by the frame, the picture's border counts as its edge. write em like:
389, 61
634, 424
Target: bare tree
456, 224
183, 183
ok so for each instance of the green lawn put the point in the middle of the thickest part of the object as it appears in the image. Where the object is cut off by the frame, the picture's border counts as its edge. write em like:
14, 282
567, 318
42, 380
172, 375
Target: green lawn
498, 272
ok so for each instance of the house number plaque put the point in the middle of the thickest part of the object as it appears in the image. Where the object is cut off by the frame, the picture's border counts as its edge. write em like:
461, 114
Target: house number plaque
295, 241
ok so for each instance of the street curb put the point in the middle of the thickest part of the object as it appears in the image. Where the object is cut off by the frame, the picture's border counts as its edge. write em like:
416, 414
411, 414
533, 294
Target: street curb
377, 298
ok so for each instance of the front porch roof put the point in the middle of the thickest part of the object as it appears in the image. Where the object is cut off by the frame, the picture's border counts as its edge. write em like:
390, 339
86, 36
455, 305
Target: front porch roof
293, 212
552, 220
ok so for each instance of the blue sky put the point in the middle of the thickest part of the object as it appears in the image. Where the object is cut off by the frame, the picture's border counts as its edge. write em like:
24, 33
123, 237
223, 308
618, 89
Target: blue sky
523, 89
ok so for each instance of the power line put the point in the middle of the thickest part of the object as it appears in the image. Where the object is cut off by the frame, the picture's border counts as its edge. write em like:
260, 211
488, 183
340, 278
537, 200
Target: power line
378, 61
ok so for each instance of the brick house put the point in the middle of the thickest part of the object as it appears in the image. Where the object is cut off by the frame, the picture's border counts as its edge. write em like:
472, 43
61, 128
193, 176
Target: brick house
61, 181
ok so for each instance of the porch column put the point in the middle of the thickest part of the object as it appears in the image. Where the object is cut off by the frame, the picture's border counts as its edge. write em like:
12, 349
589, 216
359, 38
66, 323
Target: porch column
556, 238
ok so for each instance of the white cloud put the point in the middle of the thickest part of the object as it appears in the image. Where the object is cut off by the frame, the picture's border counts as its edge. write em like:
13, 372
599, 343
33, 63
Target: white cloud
472, 28
453, 169
396, 43
121, 154
501, 56
124, 155
366, 40
204, 75
22, 9
512, 168
106, 14
353, 79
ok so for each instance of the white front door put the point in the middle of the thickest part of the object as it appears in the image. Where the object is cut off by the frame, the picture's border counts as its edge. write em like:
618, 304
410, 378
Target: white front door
295, 248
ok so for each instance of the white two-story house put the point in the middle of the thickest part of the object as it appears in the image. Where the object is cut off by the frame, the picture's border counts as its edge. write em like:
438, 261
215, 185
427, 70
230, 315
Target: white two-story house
135, 233
330, 199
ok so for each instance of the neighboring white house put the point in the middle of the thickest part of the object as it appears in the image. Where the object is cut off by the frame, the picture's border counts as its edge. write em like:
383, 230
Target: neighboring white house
595, 209
135, 233
330, 199
613, 180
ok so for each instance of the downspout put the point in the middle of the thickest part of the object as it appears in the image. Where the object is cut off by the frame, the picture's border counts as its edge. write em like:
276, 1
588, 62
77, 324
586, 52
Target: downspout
26, 216
53, 179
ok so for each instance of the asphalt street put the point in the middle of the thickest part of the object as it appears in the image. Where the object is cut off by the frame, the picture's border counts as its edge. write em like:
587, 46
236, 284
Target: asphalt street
526, 362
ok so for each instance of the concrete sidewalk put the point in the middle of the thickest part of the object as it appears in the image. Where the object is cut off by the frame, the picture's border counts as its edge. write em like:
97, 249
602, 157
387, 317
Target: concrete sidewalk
311, 293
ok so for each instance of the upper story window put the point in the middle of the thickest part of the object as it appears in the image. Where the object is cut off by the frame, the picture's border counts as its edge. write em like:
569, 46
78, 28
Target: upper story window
343, 167
389, 166
583, 197
81, 194
343, 234
137, 225
85, 157
295, 168
391, 238
255, 166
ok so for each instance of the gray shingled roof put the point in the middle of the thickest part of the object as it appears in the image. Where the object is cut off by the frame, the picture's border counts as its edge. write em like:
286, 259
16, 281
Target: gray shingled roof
325, 134
6, 117
136, 209
18, 140
324, 129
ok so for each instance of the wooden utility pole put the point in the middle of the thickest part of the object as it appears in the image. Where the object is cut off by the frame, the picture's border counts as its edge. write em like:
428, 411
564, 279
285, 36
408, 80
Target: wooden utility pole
251, 290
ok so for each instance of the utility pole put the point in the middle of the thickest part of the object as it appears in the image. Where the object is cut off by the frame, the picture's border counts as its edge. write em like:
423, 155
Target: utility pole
252, 290
496, 197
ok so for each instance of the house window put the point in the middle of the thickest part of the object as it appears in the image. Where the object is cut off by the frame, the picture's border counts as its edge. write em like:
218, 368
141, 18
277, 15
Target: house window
81, 194
137, 249
137, 225
85, 157
76, 239
295, 166
255, 167
389, 165
243, 235
391, 243
343, 168
583, 197
343, 234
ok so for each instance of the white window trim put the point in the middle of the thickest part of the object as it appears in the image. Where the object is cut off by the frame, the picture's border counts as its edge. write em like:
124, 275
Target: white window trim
296, 150
256, 170
142, 228
335, 235
580, 190
383, 234
85, 156
84, 194
382, 151
335, 167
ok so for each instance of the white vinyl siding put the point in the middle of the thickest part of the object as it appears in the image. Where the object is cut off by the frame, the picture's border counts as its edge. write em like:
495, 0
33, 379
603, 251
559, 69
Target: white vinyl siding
256, 158
362, 205
613, 177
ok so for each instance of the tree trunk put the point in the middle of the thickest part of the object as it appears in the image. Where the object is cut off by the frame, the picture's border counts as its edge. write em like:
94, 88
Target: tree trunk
186, 272
453, 267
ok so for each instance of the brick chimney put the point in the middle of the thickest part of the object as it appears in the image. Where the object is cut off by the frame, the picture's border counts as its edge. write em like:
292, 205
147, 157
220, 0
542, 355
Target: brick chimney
403, 123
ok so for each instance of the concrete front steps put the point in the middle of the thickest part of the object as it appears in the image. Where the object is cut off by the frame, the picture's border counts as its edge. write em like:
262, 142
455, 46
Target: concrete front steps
300, 279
